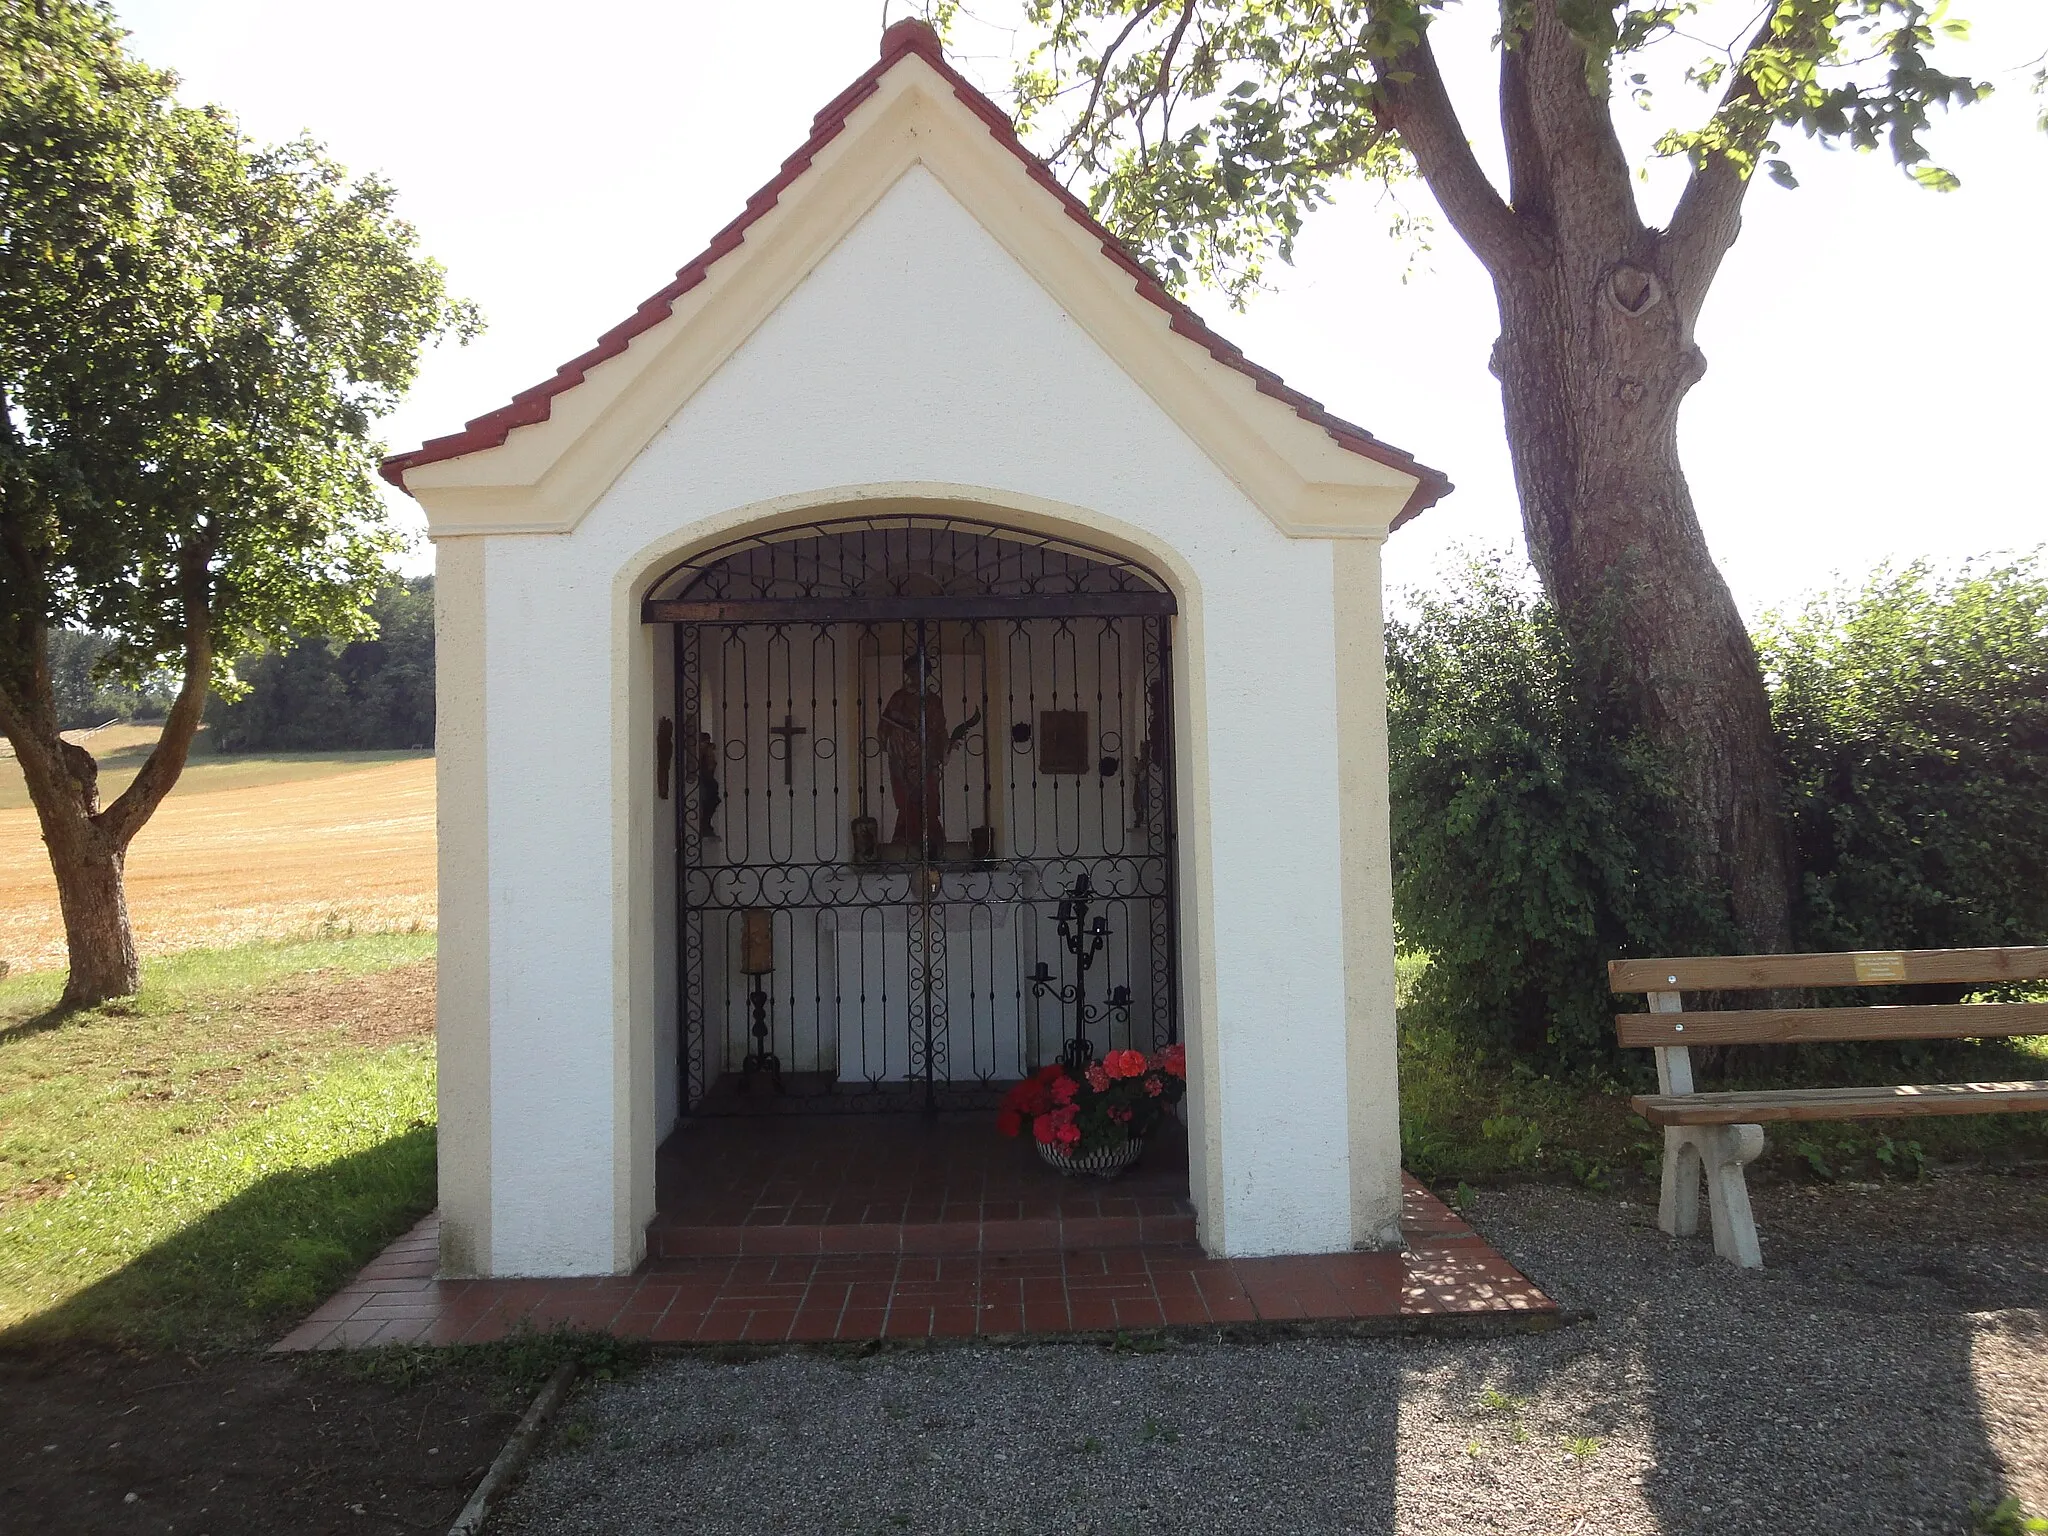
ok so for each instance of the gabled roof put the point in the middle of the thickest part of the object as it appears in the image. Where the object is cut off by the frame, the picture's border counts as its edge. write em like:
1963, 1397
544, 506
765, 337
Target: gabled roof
905, 40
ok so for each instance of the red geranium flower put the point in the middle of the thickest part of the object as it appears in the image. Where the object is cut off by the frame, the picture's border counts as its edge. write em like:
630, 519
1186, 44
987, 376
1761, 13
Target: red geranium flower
1174, 1059
1098, 1078
1124, 1063
1152, 1086
1065, 1091
1009, 1122
1043, 1129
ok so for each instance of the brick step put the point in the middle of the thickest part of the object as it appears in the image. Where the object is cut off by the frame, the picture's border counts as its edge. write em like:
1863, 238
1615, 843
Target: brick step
669, 1239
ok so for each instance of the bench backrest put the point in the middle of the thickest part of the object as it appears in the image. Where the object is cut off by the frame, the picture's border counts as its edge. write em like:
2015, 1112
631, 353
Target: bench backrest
1667, 1025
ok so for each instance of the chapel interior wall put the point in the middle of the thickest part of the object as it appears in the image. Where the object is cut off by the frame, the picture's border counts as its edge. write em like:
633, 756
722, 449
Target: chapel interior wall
791, 716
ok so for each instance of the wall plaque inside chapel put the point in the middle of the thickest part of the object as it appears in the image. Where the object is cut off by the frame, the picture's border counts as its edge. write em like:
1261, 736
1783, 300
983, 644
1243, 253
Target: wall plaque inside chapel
1063, 741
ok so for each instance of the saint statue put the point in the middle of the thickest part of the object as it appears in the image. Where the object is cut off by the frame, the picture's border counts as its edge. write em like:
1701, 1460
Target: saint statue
913, 732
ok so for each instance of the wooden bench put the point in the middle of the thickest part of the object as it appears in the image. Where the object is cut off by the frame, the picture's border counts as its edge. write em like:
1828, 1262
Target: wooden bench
1715, 1134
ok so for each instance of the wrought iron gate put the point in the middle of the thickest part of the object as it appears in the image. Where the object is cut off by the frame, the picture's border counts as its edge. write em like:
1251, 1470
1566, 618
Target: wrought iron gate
925, 834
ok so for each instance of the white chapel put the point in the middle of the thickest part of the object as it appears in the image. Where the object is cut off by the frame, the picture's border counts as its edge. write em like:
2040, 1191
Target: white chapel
909, 576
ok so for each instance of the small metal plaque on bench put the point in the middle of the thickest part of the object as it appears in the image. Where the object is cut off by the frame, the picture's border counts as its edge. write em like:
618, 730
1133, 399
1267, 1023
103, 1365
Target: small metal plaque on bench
1877, 966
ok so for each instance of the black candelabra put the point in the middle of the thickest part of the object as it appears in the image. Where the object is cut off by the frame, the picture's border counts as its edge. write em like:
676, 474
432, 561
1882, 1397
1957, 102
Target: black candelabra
757, 963
1084, 940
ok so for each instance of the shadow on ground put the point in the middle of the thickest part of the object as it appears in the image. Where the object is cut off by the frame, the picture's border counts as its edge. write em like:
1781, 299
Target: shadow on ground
235, 1276
1888, 1373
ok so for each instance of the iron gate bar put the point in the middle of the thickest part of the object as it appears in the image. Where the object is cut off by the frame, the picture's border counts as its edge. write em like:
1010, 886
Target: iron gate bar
875, 610
773, 606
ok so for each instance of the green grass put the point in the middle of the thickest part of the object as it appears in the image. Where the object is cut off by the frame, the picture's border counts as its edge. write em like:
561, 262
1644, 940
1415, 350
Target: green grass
203, 976
189, 1166
92, 1091
225, 1235
1472, 1117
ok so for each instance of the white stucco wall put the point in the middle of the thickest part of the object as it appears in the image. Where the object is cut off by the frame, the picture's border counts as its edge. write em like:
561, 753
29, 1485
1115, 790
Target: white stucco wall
916, 354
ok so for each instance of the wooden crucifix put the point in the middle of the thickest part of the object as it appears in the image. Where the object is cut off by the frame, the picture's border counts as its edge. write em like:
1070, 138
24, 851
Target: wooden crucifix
789, 730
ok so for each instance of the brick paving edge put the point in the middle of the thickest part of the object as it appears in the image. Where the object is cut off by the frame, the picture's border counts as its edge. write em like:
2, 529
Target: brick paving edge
1435, 1325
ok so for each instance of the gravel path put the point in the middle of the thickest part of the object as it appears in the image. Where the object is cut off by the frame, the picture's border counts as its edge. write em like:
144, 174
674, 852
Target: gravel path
1886, 1372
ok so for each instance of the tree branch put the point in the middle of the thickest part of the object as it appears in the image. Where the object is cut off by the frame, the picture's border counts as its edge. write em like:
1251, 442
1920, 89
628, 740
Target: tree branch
1101, 79
125, 817
1567, 141
1709, 213
1529, 188
1419, 109
1162, 86
62, 778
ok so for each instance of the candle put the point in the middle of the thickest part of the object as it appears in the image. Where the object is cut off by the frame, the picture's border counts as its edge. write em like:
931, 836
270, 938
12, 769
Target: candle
757, 941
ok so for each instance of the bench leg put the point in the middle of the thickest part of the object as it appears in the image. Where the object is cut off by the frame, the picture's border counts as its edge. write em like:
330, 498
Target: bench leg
1727, 1148
1717, 1154
1678, 1209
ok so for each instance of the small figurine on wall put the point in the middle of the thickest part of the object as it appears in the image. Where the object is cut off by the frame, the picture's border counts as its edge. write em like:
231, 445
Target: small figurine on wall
708, 796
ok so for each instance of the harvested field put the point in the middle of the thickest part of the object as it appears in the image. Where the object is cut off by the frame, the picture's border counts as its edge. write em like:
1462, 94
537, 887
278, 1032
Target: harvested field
122, 749
352, 850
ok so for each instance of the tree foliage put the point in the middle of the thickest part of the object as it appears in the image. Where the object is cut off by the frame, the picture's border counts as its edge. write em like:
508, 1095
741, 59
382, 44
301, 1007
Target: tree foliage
1531, 840
196, 337
1206, 131
1913, 719
1532, 844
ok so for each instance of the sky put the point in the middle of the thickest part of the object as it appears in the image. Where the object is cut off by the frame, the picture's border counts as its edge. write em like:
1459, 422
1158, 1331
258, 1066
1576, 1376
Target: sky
1875, 351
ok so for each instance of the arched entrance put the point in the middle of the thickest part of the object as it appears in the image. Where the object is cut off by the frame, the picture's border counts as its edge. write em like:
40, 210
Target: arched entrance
925, 812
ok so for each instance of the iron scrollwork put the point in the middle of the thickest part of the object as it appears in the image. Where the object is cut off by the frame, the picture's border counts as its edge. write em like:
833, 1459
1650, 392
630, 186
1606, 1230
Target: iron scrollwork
909, 866
1083, 940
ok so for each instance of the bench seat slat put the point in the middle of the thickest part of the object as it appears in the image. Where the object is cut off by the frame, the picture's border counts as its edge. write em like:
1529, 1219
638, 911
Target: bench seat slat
1772, 1026
1841, 1103
1735, 973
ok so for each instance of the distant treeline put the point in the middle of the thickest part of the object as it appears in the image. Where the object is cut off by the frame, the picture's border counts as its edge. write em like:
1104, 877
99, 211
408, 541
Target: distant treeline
322, 696
84, 701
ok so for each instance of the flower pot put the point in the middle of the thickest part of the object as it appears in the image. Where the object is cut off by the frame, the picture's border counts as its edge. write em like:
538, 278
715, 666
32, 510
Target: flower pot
1103, 1162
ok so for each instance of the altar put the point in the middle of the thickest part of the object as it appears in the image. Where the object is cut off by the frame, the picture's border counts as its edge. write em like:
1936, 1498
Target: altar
985, 1027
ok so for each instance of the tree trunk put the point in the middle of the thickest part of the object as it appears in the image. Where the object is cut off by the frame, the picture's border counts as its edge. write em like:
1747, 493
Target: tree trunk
88, 855
94, 901
89, 846
1594, 359
87, 858
1595, 356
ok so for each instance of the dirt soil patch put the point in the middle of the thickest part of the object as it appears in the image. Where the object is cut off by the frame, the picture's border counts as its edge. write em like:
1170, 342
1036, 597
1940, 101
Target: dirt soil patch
381, 1008
100, 1442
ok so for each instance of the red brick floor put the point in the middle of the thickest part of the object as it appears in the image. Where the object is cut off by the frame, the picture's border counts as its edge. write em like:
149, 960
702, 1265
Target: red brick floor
760, 1188
906, 1230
